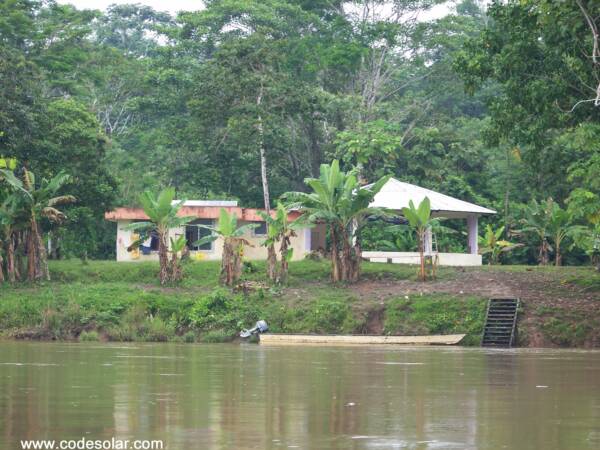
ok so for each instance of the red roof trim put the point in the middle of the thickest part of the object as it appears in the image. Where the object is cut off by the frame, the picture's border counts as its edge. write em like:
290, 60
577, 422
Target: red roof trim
201, 212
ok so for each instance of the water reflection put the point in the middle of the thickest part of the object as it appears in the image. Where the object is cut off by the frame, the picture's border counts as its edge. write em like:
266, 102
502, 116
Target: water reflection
229, 396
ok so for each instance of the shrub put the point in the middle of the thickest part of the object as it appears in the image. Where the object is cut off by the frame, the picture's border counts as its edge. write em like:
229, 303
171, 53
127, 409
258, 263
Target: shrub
189, 337
64, 323
157, 330
249, 267
216, 336
89, 336
221, 310
327, 316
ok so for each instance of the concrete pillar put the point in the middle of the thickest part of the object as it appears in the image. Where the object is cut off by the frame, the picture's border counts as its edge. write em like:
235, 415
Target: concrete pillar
308, 239
472, 234
428, 242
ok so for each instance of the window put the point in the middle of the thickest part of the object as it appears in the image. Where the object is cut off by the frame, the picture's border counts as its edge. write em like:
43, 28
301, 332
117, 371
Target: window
261, 229
193, 233
154, 241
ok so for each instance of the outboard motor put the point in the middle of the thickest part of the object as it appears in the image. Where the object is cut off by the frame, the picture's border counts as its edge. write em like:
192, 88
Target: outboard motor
260, 327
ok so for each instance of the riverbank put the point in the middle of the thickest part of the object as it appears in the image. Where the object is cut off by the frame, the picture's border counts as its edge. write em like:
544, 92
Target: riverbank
110, 301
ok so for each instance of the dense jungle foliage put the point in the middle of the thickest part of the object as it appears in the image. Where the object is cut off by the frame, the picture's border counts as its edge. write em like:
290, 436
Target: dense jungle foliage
494, 104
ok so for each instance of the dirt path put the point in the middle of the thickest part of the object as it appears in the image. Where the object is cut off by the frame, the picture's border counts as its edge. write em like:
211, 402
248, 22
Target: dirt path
534, 286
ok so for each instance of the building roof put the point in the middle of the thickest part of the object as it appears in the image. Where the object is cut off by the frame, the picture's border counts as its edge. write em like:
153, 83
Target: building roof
217, 203
200, 212
396, 194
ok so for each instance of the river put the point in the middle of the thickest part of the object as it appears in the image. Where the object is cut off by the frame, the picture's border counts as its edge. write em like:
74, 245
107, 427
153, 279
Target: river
251, 396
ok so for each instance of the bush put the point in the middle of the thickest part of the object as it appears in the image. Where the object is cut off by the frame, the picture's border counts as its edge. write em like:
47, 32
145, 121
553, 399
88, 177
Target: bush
89, 336
249, 267
64, 323
327, 316
221, 310
188, 337
216, 336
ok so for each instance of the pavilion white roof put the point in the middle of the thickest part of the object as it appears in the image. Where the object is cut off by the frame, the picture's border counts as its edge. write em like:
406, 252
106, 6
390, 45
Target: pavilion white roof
396, 194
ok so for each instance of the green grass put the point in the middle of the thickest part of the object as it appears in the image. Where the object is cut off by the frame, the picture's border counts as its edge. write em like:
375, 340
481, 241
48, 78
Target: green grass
585, 276
436, 314
565, 328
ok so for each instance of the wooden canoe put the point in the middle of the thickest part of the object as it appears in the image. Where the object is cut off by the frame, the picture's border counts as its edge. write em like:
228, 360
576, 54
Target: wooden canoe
327, 339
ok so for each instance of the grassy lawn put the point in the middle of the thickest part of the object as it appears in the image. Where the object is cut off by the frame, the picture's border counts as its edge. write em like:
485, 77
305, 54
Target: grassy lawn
106, 300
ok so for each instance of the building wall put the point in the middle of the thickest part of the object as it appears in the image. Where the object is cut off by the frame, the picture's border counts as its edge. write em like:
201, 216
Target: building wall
302, 244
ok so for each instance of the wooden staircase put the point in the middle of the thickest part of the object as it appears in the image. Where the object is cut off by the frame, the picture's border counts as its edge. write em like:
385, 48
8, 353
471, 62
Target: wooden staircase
500, 322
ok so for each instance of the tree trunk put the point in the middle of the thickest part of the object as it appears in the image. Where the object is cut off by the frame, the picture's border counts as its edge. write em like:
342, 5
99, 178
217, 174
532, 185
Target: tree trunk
42, 263
175, 269
421, 254
271, 254
20, 242
163, 257
283, 271
544, 253
335, 257
1, 268
31, 256
557, 254
11, 270
354, 274
231, 262
345, 258
271, 262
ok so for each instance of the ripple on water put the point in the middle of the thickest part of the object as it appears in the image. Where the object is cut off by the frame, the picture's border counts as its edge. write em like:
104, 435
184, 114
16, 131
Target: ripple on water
27, 364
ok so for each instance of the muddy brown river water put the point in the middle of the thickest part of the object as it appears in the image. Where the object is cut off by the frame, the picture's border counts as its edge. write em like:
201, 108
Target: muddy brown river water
246, 396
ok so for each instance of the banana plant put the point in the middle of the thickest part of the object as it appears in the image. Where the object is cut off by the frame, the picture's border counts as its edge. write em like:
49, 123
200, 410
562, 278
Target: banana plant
178, 246
338, 200
535, 224
162, 212
548, 223
233, 245
588, 240
419, 218
492, 244
38, 201
281, 230
560, 228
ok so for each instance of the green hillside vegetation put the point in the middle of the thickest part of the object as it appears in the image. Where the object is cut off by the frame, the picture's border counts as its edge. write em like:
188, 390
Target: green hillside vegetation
125, 302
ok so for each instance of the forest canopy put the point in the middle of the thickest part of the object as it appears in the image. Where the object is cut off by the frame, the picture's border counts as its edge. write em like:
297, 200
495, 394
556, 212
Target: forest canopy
494, 104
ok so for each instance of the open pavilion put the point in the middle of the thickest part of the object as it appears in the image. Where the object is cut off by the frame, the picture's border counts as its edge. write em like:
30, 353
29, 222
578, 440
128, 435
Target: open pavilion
396, 195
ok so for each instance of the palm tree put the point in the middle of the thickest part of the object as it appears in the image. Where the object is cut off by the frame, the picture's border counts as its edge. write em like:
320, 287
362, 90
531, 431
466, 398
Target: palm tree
37, 202
491, 243
233, 245
280, 229
420, 219
162, 216
338, 200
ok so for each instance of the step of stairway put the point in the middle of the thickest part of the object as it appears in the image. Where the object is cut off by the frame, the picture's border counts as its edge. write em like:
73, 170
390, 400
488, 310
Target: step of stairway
499, 329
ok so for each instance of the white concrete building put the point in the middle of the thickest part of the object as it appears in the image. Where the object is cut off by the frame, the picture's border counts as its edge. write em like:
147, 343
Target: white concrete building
206, 212
394, 195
